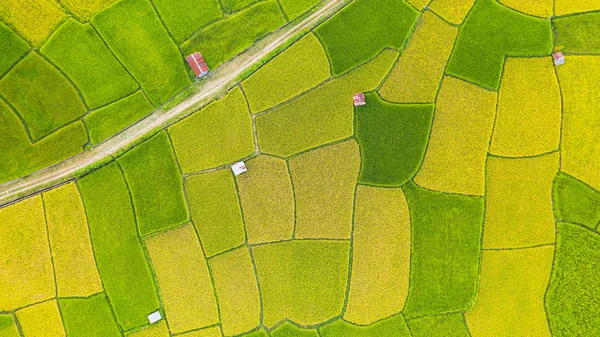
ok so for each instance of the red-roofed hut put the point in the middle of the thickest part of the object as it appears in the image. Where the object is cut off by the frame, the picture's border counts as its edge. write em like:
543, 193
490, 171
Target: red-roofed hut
359, 99
198, 64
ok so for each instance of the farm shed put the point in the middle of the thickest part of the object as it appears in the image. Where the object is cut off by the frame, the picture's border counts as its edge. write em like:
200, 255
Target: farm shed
198, 64
359, 99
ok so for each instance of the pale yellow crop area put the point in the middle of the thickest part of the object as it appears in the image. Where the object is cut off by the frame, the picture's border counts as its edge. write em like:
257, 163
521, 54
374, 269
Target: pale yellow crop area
563, 7
454, 11
519, 201
237, 291
580, 148
26, 265
41, 320
74, 263
34, 20
183, 279
417, 75
529, 109
459, 141
267, 200
381, 255
324, 182
418, 4
208, 332
510, 301
85, 9
541, 8
156, 330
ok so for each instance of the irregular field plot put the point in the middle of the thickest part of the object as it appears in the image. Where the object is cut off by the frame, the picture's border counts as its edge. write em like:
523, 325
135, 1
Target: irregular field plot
577, 33
510, 301
158, 66
289, 330
183, 278
226, 38
324, 182
8, 327
393, 139
80, 52
323, 115
73, 258
85, 9
445, 237
41, 319
216, 135
208, 332
35, 20
541, 8
450, 325
460, 136
297, 69
575, 201
44, 98
304, 281
231, 6
27, 273
215, 210
156, 185
454, 11
295, 8
394, 326
121, 261
88, 317
380, 255
422, 64
109, 120
564, 7
267, 200
11, 49
184, 17
156, 330
364, 28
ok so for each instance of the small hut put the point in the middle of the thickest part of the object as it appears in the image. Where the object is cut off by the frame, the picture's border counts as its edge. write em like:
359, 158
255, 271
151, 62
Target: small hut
198, 64
359, 99
559, 58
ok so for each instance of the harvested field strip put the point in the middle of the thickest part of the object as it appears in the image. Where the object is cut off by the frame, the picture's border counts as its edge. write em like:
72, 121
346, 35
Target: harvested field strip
393, 139
20, 157
184, 279
321, 116
237, 291
267, 200
577, 33
216, 211
219, 134
88, 317
208, 332
44, 98
159, 329
156, 185
109, 120
159, 66
79, 51
324, 182
446, 246
453, 11
73, 257
35, 20
85, 9
295, 8
459, 142
579, 78
121, 260
26, 264
575, 284
451, 325
510, 300
380, 255
226, 38
363, 29
41, 319
541, 8
11, 49
299, 68
566, 7
287, 329
422, 63
8, 326
575, 201
394, 326
184, 17
296, 275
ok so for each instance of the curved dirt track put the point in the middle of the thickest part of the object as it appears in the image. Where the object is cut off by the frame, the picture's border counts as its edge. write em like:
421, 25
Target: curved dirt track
209, 89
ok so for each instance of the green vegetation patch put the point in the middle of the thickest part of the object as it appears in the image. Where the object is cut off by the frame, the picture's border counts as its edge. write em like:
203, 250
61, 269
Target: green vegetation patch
119, 254
20, 157
80, 52
135, 34
287, 329
226, 38
362, 29
394, 326
572, 297
489, 34
446, 248
156, 185
44, 98
184, 17
575, 202
12, 48
393, 139
88, 317
230, 6
216, 211
8, 327
304, 281
109, 120
216, 135
299, 68
450, 325
577, 33
257, 333
323, 115
295, 8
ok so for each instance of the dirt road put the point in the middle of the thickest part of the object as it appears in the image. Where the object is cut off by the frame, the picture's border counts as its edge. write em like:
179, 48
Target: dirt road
215, 85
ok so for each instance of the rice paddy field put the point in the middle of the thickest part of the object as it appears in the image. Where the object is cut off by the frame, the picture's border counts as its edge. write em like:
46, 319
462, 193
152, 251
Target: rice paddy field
462, 200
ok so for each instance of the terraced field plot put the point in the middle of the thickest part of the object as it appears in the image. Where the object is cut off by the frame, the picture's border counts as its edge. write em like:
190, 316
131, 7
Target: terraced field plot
461, 200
